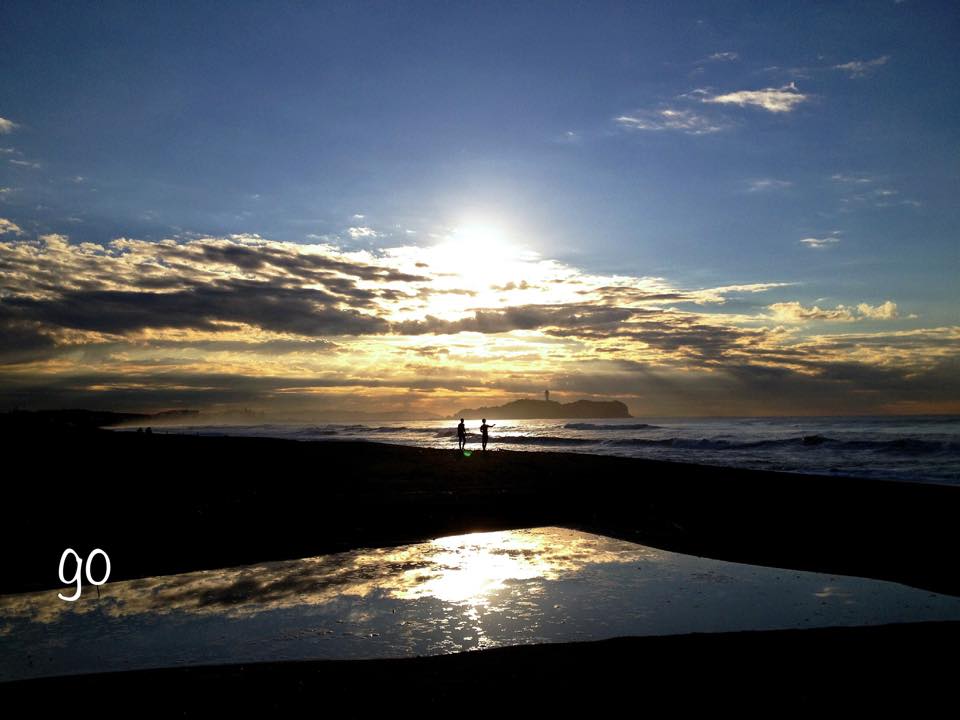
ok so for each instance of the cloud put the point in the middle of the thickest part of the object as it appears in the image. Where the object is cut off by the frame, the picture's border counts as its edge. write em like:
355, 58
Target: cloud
776, 100
302, 311
861, 191
820, 243
279, 345
862, 68
723, 57
524, 317
794, 312
684, 121
765, 184
362, 232
132, 285
243, 319
719, 294
857, 179
7, 126
8, 227
885, 311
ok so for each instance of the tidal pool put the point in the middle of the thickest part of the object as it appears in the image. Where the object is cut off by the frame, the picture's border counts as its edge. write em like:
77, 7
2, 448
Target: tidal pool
453, 594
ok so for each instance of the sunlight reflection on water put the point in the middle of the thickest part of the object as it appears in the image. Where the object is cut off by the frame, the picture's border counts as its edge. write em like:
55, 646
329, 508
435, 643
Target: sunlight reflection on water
453, 594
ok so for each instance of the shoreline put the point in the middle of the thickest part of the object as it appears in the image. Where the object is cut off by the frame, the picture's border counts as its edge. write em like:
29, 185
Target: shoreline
474, 446
871, 452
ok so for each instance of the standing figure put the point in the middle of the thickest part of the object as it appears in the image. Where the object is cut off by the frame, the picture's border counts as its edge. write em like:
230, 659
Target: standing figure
461, 434
483, 432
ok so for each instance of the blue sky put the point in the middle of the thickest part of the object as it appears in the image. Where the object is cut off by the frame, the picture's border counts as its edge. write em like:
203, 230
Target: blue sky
812, 145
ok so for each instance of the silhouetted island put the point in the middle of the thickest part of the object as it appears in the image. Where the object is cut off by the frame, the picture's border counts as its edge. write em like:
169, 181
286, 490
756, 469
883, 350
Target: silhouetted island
549, 410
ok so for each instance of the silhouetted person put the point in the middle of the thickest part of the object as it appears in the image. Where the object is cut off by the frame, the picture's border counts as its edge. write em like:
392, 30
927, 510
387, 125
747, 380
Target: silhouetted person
484, 428
461, 434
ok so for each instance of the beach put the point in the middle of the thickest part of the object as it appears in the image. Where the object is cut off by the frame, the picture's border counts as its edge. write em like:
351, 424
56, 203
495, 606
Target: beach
161, 504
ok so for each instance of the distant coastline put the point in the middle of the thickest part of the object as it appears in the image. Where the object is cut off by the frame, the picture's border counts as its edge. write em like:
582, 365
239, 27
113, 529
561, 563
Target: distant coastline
549, 410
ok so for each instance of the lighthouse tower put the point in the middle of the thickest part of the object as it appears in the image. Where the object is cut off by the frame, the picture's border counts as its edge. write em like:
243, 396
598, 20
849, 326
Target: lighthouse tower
546, 395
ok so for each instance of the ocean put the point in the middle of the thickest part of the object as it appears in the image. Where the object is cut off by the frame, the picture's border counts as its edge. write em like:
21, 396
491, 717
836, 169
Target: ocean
917, 448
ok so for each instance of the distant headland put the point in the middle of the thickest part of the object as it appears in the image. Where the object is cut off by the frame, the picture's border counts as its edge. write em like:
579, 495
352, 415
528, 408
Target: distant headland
549, 410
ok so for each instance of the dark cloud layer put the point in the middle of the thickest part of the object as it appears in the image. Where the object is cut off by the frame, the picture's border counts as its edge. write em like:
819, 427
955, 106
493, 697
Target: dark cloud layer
524, 317
138, 325
296, 310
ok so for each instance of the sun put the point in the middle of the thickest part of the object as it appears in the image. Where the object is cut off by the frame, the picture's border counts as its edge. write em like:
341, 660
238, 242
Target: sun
482, 254
479, 234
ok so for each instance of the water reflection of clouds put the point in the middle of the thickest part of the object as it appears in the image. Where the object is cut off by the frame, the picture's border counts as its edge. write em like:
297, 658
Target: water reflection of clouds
830, 592
452, 595
462, 569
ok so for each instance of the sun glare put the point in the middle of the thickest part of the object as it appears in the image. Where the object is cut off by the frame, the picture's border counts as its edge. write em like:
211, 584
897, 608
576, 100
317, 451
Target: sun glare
479, 234
483, 254
470, 568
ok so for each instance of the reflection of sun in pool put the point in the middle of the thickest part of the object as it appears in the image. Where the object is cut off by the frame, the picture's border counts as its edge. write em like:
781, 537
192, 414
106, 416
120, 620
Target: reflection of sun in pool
468, 572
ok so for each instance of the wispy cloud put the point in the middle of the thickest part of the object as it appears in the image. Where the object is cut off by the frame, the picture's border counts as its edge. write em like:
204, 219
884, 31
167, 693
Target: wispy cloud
685, 121
822, 242
766, 184
862, 68
856, 179
723, 57
8, 227
775, 100
7, 126
798, 73
861, 192
26, 163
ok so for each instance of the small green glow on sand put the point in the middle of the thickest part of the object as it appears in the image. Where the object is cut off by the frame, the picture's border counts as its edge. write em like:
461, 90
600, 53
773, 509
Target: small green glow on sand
467, 453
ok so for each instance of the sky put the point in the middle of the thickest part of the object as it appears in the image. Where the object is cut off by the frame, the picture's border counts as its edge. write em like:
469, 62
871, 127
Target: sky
699, 208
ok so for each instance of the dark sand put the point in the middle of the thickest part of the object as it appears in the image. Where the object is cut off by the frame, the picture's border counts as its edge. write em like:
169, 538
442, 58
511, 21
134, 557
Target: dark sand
162, 504
907, 668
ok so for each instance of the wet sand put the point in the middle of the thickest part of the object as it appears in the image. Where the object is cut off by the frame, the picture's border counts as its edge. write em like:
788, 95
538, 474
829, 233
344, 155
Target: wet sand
776, 674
